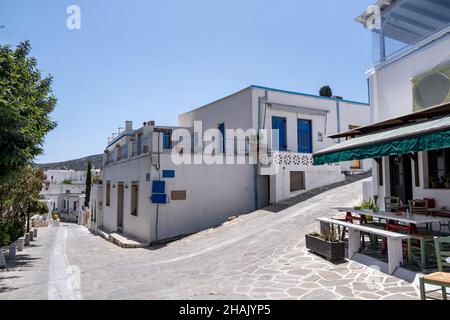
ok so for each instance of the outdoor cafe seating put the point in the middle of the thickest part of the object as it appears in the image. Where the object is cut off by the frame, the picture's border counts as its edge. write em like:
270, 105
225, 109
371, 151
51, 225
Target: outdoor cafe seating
422, 244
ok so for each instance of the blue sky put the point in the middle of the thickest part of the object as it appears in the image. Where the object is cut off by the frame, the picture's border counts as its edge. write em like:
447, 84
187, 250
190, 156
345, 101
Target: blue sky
152, 60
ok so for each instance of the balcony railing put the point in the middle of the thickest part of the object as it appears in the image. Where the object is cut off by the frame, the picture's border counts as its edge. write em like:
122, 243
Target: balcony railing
278, 158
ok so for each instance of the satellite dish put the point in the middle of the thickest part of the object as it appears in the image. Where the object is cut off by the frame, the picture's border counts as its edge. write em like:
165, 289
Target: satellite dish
432, 90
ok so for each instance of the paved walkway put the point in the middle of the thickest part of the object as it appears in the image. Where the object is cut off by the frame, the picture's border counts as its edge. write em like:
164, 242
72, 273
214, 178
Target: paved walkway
257, 256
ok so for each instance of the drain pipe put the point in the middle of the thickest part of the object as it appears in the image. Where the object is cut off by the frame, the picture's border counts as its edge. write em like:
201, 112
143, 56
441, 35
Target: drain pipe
338, 114
157, 167
262, 102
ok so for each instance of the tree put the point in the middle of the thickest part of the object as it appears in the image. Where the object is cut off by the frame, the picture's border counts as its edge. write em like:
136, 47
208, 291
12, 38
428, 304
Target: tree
19, 195
326, 91
88, 184
26, 101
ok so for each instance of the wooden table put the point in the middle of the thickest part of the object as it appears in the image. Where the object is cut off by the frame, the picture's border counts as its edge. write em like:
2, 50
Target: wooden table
414, 219
395, 255
411, 220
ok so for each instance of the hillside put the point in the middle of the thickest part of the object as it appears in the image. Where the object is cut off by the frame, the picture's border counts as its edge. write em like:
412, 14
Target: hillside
76, 164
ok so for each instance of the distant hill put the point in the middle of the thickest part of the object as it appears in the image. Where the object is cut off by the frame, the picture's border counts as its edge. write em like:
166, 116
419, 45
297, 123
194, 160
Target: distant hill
76, 164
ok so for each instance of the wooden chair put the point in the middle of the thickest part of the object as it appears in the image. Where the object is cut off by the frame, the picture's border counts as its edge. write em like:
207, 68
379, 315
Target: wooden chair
418, 207
391, 204
421, 250
440, 278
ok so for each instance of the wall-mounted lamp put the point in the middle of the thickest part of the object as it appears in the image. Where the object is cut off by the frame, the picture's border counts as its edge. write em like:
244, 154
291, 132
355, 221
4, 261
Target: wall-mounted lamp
114, 186
126, 186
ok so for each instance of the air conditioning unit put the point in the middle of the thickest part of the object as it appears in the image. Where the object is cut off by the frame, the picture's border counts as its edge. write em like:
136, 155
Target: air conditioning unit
432, 88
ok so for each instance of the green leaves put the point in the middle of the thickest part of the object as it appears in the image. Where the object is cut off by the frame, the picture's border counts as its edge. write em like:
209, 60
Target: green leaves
26, 100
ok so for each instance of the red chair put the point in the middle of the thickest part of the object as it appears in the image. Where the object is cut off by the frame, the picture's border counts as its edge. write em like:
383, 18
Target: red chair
391, 226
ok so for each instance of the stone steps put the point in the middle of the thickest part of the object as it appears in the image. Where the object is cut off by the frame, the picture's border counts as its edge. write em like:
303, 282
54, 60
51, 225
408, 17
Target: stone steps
121, 240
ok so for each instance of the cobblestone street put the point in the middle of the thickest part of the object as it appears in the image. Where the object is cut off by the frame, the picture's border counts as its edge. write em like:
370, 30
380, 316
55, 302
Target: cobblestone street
257, 256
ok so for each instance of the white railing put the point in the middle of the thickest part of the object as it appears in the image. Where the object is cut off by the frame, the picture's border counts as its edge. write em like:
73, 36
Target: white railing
280, 158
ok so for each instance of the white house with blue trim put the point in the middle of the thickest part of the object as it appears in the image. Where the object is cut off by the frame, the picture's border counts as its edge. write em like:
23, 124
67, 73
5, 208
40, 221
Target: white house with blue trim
150, 197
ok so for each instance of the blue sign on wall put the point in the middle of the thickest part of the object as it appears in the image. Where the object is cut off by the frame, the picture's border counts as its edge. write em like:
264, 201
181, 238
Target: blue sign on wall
168, 174
158, 186
159, 198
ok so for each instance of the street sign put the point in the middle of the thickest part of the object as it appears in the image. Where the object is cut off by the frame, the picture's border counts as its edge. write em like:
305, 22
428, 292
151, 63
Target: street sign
158, 186
158, 198
168, 173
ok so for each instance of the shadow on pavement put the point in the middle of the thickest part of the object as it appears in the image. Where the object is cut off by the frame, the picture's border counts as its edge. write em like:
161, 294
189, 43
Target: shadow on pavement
275, 208
20, 261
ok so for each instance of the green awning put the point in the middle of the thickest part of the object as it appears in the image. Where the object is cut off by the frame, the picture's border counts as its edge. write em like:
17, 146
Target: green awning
427, 135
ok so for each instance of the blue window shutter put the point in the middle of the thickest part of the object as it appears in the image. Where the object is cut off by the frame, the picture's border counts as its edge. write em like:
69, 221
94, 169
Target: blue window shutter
304, 136
167, 140
279, 123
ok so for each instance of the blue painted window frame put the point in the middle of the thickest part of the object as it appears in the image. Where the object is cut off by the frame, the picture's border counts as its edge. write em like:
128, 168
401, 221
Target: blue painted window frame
167, 139
304, 136
280, 124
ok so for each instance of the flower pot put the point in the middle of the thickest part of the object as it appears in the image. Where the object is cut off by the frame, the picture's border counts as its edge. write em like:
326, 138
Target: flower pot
434, 184
334, 251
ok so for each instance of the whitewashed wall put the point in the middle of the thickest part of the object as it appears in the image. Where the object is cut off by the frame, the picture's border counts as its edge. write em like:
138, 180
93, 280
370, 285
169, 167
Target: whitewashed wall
392, 96
234, 110
214, 193
391, 87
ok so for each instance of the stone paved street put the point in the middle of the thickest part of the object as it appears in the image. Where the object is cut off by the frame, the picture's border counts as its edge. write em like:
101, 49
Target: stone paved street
257, 256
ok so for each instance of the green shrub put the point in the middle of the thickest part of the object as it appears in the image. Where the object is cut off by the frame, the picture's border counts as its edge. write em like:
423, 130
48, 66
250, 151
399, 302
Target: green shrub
16, 229
4, 236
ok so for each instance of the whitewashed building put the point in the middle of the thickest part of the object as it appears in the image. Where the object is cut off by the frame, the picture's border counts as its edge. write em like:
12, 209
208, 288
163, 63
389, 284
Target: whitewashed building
65, 193
149, 196
409, 137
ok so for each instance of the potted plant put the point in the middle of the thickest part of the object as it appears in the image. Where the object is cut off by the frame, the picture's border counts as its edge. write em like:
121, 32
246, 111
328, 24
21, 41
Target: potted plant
446, 180
434, 181
368, 205
326, 244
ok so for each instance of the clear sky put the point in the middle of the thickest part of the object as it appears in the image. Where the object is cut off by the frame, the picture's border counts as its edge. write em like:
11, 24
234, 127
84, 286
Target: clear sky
146, 60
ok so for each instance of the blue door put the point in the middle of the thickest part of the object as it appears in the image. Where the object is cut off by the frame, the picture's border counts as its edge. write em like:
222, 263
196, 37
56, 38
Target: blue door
304, 136
279, 124
222, 131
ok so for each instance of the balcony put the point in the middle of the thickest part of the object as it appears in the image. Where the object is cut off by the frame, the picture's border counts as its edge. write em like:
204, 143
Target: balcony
407, 23
269, 164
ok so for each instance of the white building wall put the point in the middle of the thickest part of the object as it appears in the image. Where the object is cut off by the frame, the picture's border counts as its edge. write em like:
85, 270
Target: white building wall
392, 96
214, 193
391, 85
127, 172
234, 110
